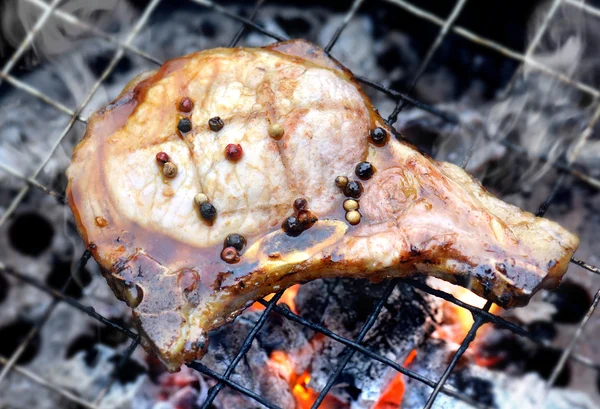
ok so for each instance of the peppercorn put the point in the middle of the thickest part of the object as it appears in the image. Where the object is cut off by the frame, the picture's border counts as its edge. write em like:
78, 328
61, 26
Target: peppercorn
234, 152
276, 131
215, 124
364, 170
186, 105
162, 158
341, 181
184, 125
378, 136
208, 212
292, 226
350, 204
353, 189
230, 255
170, 170
353, 217
236, 241
306, 219
300, 203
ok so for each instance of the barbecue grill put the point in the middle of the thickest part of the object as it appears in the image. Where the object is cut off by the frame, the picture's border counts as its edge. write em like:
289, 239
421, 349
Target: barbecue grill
402, 99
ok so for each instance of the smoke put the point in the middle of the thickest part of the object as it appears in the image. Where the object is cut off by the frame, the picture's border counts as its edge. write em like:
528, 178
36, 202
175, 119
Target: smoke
62, 63
58, 36
537, 112
545, 114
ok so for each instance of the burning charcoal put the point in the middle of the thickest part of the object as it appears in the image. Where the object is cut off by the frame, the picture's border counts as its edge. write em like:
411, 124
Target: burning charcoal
571, 300
402, 323
497, 389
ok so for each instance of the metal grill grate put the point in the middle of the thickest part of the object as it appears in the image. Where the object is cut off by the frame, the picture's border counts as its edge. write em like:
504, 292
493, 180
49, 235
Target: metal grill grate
481, 315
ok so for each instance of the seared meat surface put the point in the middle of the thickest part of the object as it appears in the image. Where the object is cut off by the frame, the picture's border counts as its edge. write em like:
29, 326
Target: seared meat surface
240, 135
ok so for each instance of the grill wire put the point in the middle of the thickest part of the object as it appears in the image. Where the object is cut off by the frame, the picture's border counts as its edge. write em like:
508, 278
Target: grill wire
481, 315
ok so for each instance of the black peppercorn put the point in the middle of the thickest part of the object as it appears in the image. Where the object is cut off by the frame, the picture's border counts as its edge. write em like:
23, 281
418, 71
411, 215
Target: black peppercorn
292, 226
364, 170
208, 212
353, 189
184, 125
237, 241
378, 136
215, 124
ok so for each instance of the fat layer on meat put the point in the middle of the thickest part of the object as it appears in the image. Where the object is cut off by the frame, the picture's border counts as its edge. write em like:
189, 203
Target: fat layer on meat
418, 215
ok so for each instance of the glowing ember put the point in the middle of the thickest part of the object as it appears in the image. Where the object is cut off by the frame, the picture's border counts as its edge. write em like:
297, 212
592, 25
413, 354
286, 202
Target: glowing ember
487, 361
305, 396
283, 364
410, 358
287, 298
392, 396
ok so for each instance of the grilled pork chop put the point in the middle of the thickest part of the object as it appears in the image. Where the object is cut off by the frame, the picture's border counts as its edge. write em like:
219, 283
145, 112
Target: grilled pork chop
186, 187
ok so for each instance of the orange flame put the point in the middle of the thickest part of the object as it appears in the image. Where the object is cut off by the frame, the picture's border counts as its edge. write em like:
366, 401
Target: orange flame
305, 396
458, 320
282, 362
410, 358
464, 316
288, 298
392, 395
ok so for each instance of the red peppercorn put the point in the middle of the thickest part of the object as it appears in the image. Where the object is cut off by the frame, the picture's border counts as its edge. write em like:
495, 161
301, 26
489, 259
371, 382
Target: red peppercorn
230, 255
162, 158
186, 105
300, 203
234, 152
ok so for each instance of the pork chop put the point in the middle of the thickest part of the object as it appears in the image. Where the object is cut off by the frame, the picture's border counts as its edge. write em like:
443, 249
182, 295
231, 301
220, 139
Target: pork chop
229, 174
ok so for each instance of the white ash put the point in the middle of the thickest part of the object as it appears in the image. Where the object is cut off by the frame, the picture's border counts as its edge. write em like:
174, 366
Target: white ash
492, 388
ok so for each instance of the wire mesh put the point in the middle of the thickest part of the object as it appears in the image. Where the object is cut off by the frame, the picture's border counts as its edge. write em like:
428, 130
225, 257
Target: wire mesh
481, 315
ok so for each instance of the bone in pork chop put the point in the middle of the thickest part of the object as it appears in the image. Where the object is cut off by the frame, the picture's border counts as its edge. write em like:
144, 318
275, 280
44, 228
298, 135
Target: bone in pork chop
186, 187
